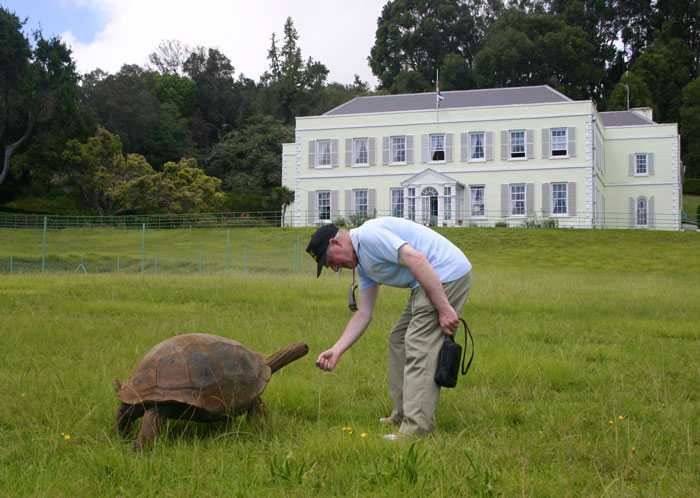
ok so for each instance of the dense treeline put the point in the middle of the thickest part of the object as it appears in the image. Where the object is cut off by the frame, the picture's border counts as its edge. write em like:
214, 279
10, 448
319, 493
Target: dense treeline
187, 133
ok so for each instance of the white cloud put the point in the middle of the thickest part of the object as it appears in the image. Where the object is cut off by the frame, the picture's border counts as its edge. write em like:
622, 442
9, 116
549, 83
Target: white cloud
337, 33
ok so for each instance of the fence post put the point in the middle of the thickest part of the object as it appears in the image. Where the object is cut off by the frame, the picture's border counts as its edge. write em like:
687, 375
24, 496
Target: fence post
143, 246
201, 261
228, 249
43, 247
11, 264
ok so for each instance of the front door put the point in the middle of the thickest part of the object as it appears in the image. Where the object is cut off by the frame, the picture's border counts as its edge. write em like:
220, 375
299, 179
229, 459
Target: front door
429, 206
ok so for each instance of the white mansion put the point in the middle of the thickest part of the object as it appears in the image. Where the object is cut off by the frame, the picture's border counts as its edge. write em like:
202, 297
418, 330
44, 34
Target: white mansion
503, 155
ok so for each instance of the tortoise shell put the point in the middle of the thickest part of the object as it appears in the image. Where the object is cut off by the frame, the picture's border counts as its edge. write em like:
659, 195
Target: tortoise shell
209, 372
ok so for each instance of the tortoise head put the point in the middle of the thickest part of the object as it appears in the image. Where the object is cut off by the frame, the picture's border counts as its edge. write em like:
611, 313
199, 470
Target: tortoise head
286, 355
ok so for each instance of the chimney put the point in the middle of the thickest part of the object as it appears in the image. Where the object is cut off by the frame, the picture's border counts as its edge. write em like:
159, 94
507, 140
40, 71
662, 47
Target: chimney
647, 112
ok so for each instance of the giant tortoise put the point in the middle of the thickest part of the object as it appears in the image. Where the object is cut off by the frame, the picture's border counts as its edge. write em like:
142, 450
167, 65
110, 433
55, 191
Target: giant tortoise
198, 377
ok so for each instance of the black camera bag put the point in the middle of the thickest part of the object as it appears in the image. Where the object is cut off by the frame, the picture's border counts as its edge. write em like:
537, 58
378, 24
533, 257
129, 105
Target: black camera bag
448, 359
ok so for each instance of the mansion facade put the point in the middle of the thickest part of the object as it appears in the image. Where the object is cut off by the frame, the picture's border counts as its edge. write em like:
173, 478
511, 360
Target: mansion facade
513, 156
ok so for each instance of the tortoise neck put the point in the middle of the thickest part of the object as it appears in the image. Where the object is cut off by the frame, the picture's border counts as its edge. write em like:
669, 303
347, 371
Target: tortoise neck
286, 355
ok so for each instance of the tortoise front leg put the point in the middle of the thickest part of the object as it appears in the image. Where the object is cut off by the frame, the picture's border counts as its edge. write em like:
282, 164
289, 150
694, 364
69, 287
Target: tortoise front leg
127, 415
257, 412
150, 427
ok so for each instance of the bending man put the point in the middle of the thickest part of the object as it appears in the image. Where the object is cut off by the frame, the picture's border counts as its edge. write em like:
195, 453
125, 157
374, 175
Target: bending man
400, 253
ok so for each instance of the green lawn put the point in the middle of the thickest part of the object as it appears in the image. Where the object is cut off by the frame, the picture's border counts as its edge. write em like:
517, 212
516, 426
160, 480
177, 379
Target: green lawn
585, 381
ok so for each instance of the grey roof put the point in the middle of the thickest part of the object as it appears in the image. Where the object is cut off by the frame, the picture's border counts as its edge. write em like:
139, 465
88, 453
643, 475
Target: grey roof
623, 118
452, 99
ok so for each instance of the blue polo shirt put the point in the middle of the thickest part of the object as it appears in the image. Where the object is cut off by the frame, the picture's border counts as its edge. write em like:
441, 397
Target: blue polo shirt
377, 244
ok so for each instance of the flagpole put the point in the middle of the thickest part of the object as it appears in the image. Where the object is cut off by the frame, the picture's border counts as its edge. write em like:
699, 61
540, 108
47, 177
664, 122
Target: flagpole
437, 95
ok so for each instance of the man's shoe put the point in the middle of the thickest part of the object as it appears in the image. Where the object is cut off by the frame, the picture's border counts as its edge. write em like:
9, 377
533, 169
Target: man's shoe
390, 420
397, 436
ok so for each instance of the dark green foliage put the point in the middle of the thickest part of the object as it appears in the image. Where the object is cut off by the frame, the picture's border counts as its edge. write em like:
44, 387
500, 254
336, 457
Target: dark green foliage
415, 37
189, 102
539, 48
690, 131
691, 186
639, 93
38, 89
248, 160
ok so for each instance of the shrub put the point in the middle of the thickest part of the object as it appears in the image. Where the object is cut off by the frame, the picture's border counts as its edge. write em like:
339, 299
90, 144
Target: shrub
691, 186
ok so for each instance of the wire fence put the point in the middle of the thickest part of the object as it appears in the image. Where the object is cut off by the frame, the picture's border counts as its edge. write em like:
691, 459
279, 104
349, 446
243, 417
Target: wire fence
299, 218
206, 243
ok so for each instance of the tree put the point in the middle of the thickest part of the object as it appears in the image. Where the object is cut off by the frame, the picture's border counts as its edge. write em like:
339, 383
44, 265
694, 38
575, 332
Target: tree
666, 67
125, 104
539, 48
108, 182
292, 87
181, 187
639, 93
34, 83
170, 57
283, 197
248, 160
220, 105
99, 167
413, 38
690, 127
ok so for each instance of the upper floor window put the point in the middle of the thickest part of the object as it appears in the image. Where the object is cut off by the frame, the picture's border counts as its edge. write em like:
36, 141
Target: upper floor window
640, 164
398, 149
360, 151
323, 152
324, 205
517, 144
559, 142
437, 147
397, 202
361, 202
517, 199
476, 146
476, 198
559, 198
642, 214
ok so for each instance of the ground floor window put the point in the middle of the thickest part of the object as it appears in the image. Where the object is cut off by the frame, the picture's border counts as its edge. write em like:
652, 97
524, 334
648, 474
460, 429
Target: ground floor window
397, 202
642, 212
411, 203
447, 203
361, 202
517, 199
476, 200
559, 198
324, 205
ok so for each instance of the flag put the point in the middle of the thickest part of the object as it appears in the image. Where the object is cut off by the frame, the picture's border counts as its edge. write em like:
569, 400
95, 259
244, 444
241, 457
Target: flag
438, 95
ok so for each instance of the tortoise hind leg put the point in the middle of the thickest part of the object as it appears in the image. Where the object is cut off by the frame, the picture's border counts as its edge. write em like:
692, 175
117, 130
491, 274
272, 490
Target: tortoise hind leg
152, 423
126, 416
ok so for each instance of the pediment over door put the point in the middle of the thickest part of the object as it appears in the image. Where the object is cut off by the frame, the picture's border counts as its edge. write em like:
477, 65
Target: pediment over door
430, 177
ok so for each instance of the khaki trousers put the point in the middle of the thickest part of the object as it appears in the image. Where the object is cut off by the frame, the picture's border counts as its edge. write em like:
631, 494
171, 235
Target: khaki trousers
414, 345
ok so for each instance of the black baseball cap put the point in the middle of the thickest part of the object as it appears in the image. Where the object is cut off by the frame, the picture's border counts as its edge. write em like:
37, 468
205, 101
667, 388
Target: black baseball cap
318, 245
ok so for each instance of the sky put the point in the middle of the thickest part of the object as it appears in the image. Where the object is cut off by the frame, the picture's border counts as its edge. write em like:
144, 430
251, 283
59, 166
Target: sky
106, 34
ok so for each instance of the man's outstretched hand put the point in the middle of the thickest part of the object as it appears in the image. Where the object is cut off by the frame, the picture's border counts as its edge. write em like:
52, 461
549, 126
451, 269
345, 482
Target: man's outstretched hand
328, 360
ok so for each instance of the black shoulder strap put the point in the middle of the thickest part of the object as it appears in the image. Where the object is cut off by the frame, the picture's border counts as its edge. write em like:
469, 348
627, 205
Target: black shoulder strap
467, 337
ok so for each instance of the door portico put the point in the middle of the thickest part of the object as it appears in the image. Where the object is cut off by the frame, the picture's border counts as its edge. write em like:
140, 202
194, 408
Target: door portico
433, 198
